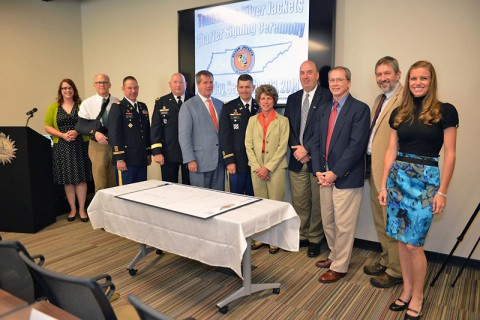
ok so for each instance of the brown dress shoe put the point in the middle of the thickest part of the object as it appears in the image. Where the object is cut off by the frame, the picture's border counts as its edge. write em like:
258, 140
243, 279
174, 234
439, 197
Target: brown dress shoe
331, 276
385, 281
323, 263
375, 269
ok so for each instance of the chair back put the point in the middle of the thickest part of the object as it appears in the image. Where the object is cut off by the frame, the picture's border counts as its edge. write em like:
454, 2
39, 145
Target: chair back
144, 311
82, 297
14, 275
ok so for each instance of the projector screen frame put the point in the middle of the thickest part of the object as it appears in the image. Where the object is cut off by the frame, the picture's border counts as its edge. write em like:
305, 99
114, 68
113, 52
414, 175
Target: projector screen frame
321, 34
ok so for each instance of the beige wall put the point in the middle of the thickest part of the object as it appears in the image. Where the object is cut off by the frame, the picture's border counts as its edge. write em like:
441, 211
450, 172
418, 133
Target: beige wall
41, 43
139, 38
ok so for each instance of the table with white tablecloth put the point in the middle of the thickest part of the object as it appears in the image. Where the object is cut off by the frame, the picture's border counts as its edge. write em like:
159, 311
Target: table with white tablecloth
222, 240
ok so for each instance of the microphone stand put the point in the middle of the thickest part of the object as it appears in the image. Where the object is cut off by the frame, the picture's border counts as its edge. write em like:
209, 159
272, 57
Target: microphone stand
459, 239
28, 119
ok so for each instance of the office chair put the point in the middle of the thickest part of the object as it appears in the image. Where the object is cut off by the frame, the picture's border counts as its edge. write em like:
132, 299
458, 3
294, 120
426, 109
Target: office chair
14, 275
144, 311
147, 313
82, 297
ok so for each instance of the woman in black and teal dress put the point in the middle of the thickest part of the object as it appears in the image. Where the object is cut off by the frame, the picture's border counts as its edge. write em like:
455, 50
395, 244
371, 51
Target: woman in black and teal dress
412, 187
71, 165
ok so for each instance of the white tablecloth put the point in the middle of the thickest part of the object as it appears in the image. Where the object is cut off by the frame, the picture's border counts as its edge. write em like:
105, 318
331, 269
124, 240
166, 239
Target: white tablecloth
217, 241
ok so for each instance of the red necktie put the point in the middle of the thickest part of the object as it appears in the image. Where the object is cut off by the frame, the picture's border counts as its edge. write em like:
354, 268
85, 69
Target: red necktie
331, 125
377, 112
212, 113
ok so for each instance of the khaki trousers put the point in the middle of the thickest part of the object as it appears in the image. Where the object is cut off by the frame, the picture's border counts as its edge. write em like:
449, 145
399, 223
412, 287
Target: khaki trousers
273, 189
306, 202
340, 209
102, 167
389, 256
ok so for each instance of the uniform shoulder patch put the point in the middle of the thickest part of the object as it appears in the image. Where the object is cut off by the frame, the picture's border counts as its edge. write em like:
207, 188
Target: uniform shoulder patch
158, 98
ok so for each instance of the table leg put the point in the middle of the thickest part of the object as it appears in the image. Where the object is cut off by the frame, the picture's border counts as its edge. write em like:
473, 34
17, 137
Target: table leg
143, 252
248, 288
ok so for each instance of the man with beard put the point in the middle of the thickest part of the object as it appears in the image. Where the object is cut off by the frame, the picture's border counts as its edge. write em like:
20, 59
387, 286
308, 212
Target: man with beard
387, 272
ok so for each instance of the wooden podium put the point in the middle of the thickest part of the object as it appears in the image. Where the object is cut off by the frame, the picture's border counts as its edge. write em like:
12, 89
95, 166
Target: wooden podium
26, 180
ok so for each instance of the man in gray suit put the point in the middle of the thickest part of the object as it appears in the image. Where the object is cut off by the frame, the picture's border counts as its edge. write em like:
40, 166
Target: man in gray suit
198, 135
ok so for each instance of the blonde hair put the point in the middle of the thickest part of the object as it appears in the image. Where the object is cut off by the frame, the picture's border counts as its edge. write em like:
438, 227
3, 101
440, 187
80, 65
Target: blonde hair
430, 112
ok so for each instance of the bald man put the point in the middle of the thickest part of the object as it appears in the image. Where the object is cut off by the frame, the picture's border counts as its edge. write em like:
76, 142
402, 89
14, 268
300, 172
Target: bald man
164, 131
99, 151
301, 110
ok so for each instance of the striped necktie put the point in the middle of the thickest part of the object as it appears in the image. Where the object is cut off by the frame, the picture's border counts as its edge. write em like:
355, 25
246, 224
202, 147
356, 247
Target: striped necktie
304, 115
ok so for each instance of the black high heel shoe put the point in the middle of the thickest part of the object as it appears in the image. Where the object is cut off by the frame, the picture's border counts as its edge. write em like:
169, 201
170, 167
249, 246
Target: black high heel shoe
399, 307
84, 219
417, 317
419, 313
70, 219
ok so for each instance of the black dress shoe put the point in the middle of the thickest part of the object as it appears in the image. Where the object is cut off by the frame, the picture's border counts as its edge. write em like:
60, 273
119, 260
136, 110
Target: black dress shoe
273, 250
84, 219
399, 307
70, 219
313, 250
256, 246
304, 243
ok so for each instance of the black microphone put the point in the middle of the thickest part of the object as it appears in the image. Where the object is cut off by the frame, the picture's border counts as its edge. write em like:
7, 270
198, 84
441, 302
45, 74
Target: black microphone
31, 112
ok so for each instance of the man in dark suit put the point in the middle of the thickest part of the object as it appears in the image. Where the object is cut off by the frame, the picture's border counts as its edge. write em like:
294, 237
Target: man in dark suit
233, 124
165, 146
198, 135
338, 159
301, 109
129, 135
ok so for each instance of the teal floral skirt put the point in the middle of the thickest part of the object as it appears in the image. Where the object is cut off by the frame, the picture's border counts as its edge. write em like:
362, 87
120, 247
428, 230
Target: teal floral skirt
412, 183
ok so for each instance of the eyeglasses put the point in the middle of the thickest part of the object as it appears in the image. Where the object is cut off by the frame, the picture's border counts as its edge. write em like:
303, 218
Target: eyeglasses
338, 80
66, 88
102, 82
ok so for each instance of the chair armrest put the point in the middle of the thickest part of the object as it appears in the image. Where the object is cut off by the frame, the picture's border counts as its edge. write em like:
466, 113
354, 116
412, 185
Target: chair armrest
105, 282
41, 258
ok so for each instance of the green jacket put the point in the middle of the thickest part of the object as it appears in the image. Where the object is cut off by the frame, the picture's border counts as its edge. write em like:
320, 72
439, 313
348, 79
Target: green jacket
51, 120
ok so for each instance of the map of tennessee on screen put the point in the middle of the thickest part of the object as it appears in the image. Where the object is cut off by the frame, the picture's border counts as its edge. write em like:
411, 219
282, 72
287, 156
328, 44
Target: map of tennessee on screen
266, 39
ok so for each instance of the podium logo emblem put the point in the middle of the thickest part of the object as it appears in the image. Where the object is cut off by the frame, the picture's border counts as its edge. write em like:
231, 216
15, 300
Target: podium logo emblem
7, 149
